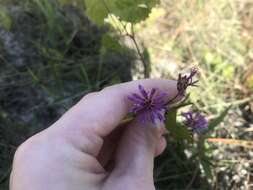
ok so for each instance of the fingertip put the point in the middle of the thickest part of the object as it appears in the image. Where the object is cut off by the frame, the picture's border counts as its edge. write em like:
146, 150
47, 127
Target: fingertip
161, 146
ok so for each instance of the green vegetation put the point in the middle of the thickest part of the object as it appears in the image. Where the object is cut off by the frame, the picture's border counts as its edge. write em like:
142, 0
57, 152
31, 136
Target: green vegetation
215, 36
54, 52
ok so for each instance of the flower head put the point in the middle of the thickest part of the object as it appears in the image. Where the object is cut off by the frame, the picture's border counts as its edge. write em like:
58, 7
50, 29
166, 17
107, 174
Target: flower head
195, 121
148, 106
185, 81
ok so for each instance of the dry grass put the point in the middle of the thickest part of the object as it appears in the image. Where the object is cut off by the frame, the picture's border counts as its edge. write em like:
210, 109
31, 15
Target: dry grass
216, 36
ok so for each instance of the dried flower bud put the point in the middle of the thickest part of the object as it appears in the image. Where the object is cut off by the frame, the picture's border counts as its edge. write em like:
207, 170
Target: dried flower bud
185, 81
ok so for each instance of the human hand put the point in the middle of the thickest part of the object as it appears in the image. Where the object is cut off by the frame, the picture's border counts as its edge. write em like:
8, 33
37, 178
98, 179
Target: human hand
88, 149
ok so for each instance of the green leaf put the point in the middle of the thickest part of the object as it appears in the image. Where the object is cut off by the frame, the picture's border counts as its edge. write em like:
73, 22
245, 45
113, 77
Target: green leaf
97, 10
5, 19
181, 105
178, 131
215, 122
171, 119
207, 168
78, 3
127, 10
133, 10
229, 72
110, 43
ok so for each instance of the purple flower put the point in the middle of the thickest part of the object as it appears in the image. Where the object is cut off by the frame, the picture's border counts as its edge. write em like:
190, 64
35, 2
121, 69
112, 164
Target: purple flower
148, 106
195, 122
185, 81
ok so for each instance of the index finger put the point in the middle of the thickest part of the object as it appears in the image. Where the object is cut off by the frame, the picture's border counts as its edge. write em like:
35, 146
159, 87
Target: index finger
101, 112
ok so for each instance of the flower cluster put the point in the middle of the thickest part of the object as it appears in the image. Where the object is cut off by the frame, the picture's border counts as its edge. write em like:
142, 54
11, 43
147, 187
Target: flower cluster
152, 106
149, 106
195, 122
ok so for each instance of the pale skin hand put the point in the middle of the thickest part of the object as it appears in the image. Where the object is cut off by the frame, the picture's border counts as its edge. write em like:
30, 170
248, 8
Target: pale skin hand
86, 149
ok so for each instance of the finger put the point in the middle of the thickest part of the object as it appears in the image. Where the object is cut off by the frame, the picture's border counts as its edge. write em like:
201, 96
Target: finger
106, 156
136, 151
103, 111
109, 147
96, 116
161, 146
162, 143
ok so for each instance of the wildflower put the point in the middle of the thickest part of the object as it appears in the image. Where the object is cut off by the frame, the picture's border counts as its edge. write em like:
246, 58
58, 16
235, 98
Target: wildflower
185, 81
195, 122
148, 106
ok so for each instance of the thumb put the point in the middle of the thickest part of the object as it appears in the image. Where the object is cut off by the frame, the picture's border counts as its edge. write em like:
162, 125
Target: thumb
136, 151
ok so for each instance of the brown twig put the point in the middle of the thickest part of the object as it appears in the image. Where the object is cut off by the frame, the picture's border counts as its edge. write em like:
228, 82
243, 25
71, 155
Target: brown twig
133, 38
172, 100
145, 64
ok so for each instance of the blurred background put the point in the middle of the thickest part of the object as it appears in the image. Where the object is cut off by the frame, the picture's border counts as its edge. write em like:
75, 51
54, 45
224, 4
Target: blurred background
53, 52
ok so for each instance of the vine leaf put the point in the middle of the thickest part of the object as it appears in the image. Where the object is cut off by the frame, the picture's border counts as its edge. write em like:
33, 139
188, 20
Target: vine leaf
127, 10
111, 43
134, 10
97, 10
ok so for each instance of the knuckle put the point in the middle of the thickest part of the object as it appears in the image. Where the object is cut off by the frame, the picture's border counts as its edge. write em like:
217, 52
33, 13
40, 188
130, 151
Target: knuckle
21, 151
26, 149
89, 95
108, 88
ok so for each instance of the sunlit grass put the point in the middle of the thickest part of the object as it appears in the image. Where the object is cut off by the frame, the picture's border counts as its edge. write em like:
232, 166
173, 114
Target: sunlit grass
216, 37
207, 35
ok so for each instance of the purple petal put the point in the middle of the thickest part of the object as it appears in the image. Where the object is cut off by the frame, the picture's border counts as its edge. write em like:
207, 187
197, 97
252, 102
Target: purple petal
138, 96
134, 100
196, 121
159, 108
143, 92
159, 103
160, 97
152, 93
152, 117
160, 116
200, 130
136, 109
188, 115
142, 117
